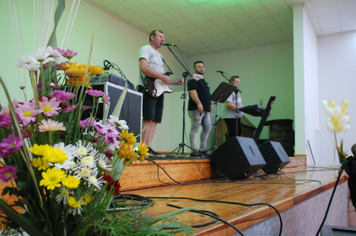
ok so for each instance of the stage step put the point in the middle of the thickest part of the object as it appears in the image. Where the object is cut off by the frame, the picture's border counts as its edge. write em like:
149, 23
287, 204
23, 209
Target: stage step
147, 174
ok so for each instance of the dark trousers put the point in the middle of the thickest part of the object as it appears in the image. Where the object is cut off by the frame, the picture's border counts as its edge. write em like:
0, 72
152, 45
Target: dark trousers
231, 127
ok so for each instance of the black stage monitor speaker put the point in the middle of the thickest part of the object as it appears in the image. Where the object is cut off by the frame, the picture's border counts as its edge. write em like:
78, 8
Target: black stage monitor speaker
274, 155
238, 158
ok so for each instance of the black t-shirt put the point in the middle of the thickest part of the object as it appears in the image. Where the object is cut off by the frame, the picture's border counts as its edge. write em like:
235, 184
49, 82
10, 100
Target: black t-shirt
203, 91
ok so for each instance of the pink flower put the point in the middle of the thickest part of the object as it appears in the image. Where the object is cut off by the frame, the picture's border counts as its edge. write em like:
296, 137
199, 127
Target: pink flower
62, 96
69, 54
95, 93
85, 123
10, 145
39, 87
27, 112
6, 110
85, 107
106, 99
69, 108
5, 121
50, 125
7, 173
50, 107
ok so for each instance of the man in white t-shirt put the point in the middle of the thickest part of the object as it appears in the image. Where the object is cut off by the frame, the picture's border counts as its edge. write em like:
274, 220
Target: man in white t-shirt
229, 110
151, 64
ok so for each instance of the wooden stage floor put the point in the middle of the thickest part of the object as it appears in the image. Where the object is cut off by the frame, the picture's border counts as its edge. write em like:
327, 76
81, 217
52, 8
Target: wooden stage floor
295, 184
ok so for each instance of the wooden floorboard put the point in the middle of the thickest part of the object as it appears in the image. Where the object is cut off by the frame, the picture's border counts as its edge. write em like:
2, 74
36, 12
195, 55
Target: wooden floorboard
295, 183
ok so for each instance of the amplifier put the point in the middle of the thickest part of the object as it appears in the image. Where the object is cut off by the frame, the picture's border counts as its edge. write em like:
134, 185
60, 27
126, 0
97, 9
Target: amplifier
131, 110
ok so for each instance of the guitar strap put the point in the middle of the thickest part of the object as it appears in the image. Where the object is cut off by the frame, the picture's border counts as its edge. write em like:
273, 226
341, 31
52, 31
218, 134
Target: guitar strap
166, 64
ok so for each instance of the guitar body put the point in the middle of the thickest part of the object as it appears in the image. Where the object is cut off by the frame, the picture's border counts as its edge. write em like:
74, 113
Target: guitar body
156, 87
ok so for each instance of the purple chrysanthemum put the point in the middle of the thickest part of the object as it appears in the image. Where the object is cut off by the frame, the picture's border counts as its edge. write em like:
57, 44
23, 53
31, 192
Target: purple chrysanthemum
7, 173
10, 145
69, 54
62, 96
95, 93
69, 108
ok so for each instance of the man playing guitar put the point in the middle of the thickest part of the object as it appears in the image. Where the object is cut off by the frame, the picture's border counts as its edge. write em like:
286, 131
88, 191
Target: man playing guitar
151, 65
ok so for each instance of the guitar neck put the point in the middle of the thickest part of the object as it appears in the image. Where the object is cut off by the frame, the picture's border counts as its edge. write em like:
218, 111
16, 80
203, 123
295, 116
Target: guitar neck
174, 81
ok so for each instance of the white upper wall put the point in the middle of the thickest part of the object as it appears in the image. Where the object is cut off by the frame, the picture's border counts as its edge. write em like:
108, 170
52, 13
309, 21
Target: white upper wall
311, 83
337, 80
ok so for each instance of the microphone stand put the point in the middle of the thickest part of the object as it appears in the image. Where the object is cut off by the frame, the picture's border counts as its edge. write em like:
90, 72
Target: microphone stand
183, 96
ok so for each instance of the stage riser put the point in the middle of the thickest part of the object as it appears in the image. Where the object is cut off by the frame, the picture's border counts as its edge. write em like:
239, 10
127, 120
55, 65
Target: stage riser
144, 175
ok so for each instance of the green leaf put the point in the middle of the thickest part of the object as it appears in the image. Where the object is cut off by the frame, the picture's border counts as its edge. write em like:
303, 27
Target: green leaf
20, 220
118, 106
60, 8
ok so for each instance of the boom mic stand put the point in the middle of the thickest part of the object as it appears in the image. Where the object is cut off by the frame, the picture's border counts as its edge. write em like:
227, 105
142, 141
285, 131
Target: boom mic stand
185, 75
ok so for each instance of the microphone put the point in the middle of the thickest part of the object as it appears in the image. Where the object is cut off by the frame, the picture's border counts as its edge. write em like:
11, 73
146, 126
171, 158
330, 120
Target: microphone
220, 71
168, 44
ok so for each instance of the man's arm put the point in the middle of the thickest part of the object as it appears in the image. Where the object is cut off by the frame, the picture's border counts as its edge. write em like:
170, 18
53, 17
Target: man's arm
144, 68
194, 95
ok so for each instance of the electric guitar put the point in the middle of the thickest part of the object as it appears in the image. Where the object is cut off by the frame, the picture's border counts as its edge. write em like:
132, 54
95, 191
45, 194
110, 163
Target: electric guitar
156, 87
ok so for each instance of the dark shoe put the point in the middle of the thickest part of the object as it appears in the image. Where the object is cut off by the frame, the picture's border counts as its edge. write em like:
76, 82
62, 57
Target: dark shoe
153, 153
205, 152
195, 154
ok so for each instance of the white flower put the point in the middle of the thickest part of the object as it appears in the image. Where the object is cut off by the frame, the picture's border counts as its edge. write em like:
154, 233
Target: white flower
103, 162
83, 149
96, 182
87, 160
43, 55
63, 195
122, 124
28, 62
70, 151
84, 172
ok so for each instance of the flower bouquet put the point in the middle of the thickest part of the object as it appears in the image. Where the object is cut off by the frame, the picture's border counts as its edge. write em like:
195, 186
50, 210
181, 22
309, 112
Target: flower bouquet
337, 120
63, 168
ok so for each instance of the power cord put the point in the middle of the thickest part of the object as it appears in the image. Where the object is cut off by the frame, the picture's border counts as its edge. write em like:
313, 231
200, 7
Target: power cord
211, 214
234, 203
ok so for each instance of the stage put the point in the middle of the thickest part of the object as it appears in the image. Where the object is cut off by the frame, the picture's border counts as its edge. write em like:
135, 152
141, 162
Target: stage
300, 193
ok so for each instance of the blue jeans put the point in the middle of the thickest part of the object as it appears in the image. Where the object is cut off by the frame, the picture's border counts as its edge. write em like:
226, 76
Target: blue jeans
197, 119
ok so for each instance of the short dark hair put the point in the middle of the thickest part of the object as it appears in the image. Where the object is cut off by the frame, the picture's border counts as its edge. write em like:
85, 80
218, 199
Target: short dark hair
232, 78
153, 32
197, 63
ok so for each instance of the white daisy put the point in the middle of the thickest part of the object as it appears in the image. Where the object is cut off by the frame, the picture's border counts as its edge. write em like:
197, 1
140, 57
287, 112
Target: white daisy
83, 148
28, 62
63, 195
103, 162
96, 182
43, 55
122, 124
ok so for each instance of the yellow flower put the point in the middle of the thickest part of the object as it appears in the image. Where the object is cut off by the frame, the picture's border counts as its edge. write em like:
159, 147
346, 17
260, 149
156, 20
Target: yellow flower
71, 182
56, 155
78, 81
127, 152
95, 70
52, 178
87, 198
73, 203
127, 137
142, 151
40, 163
39, 150
75, 69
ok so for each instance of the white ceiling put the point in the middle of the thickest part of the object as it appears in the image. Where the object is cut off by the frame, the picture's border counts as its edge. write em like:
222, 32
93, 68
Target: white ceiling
202, 26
